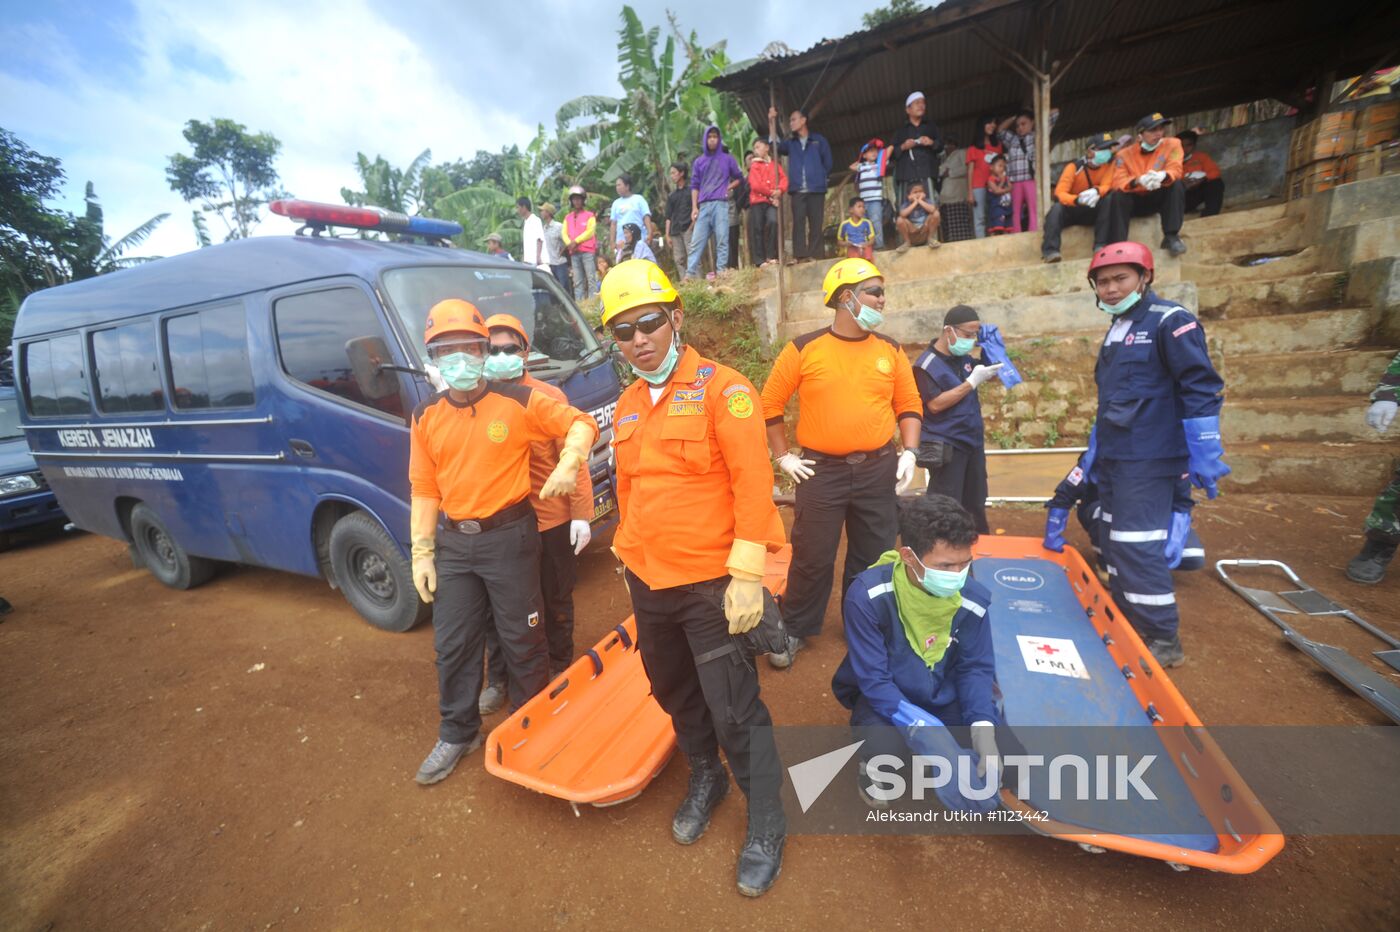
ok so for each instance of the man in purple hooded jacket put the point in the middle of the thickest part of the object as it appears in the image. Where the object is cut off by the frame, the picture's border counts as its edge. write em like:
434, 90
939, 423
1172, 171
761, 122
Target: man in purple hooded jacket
712, 176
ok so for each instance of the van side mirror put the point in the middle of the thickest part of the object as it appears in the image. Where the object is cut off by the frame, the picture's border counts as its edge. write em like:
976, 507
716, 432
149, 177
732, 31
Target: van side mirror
372, 366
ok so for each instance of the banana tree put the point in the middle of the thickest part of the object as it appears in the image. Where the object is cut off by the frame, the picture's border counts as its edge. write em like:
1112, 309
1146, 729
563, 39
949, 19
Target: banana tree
95, 253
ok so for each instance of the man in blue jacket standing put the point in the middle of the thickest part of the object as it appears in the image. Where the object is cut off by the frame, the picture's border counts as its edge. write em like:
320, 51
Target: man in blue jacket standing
919, 646
809, 163
1158, 421
712, 176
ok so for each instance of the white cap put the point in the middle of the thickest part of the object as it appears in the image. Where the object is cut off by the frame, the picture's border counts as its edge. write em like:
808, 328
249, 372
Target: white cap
917, 95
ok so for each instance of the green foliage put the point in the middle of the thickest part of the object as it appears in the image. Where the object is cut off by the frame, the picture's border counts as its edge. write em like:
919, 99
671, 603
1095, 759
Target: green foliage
409, 190
885, 14
719, 322
230, 174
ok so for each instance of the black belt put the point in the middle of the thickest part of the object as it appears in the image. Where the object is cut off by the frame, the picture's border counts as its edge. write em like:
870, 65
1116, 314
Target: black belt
853, 459
505, 516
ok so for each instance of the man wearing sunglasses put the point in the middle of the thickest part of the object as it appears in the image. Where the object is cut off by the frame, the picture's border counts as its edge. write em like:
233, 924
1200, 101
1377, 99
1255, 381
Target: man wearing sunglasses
476, 547
695, 522
563, 523
854, 387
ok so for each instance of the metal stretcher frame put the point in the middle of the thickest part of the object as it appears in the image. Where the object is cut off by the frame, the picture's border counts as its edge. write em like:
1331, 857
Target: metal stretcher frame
596, 734
1202, 764
1361, 679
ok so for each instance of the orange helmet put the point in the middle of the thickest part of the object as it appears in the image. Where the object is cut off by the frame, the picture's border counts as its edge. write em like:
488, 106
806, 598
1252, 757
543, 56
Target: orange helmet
507, 322
454, 316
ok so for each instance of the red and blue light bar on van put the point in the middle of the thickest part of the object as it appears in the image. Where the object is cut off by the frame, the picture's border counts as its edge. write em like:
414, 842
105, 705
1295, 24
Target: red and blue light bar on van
317, 214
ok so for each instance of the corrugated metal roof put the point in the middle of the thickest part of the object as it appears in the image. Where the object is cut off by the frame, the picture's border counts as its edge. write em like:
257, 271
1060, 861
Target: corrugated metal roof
1146, 56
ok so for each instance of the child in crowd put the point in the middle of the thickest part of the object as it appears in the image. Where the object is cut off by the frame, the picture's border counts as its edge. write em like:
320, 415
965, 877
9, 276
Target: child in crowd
986, 144
603, 267
998, 198
917, 221
870, 170
1020, 153
857, 232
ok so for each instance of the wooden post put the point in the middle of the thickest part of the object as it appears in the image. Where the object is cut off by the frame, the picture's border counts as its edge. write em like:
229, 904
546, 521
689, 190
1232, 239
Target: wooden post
1041, 87
782, 201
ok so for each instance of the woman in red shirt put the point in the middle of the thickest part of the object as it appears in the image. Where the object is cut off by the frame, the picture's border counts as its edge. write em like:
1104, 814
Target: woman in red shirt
985, 144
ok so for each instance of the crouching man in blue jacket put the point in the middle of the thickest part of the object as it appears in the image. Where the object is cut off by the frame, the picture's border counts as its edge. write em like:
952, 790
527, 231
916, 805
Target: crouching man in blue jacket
919, 648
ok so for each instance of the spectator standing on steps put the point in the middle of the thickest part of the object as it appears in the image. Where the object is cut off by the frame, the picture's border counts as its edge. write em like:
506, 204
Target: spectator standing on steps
1078, 197
955, 197
986, 144
713, 175
1204, 186
917, 148
1018, 141
767, 182
809, 164
1147, 180
869, 169
1383, 524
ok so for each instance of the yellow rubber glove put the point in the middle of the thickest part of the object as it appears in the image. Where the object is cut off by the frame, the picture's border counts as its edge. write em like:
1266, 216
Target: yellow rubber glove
743, 599
564, 479
422, 531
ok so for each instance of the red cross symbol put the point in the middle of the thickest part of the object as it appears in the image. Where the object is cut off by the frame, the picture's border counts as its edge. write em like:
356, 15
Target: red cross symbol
1048, 649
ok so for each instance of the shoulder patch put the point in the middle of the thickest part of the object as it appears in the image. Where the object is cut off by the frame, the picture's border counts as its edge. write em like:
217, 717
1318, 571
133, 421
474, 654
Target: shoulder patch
800, 343
520, 394
1184, 328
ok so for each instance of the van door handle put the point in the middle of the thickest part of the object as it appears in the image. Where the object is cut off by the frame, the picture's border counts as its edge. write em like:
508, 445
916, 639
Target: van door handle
303, 449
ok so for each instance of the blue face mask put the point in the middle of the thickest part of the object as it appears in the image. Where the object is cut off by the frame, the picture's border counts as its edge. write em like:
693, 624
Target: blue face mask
1101, 156
662, 373
867, 318
1148, 148
1122, 306
504, 367
461, 370
941, 583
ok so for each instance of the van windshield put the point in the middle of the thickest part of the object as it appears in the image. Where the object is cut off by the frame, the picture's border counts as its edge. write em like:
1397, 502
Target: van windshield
559, 336
9, 418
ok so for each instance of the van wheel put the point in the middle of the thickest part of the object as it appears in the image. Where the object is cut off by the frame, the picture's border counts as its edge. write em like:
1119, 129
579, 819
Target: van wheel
162, 555
374, 576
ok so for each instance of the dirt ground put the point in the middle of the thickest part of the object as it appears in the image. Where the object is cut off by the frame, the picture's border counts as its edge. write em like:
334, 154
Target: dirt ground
241, 757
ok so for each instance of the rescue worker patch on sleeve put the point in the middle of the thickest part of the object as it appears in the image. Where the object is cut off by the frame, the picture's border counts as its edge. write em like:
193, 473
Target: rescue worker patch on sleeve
533, 620
740, 404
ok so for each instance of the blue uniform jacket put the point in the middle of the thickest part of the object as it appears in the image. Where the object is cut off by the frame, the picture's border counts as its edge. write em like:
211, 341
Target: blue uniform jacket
881, 665
1153, 371
962, 423
807, 166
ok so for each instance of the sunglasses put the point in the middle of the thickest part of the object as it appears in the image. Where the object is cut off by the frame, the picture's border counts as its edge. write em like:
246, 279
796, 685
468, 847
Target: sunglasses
877, 292
647, 323
513, 349
472, 348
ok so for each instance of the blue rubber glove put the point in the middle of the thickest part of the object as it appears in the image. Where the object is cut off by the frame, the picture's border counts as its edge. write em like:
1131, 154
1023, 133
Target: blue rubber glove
1086, 462
1055, 523
1176, 537
1205, 450
927, 736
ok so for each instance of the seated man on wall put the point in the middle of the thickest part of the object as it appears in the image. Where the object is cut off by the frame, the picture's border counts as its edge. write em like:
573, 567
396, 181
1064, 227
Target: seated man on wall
1204, 186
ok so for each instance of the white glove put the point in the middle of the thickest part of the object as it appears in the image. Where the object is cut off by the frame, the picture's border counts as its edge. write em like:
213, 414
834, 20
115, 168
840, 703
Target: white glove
796, 467
981, 374
1145, 180
579, 535
435, 378
1089, 197
1380, 414
984, 744
904, 472
1196, 176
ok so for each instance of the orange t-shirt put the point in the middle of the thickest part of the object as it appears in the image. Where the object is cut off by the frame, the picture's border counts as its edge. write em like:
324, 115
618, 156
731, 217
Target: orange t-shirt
1132, 163
1078, 177
692, 475
850, 392
544, 456
475, 456
1198, 161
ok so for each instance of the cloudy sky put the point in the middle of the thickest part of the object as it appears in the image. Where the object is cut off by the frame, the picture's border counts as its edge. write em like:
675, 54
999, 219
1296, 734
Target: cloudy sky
107, 85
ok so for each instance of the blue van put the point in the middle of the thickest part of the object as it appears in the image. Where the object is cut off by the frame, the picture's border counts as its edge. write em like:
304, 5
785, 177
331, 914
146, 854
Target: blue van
249, 402
25, 498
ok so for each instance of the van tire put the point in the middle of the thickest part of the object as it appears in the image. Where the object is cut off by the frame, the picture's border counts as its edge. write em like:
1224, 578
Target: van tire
162, 554
373, 574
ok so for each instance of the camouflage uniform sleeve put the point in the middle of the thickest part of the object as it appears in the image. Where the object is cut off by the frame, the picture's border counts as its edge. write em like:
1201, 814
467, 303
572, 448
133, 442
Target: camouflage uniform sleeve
1389, 387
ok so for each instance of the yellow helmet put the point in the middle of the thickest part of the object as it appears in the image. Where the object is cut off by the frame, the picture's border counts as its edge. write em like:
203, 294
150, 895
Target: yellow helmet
635, 283
844, 274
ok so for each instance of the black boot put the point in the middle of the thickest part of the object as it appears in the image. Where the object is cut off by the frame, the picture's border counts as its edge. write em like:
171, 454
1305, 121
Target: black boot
761, 859
1369, 565
709, 783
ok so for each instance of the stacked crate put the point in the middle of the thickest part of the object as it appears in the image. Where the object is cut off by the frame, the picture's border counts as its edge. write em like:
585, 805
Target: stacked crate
1346, 145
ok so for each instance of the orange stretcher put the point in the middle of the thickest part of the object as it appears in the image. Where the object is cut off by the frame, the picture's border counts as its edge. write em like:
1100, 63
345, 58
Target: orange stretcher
1056, 597
569, 740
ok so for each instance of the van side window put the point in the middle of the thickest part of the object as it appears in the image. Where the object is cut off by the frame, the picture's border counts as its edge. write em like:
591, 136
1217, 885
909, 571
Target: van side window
124, 368
312, 332
208, 353
54, 382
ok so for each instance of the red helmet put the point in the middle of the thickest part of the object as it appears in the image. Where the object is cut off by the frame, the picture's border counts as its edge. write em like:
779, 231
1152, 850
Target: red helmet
1125, 253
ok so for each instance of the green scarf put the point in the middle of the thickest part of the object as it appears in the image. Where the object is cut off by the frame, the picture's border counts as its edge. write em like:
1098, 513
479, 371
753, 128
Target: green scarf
927, 619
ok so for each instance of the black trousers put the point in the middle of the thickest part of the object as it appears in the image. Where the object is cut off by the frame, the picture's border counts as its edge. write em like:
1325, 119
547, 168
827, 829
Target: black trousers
763, 233
1211, 193
712, 704
1170, 202
481, 576
858, 496
963, 478
1077, 215
807, 213
558, 575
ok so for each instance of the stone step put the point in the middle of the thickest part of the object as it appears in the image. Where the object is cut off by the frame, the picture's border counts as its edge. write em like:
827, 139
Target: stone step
1232, 219
1225, 297
1353, 373
1305, 332
1305, 261
1315, 419
1295, 468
